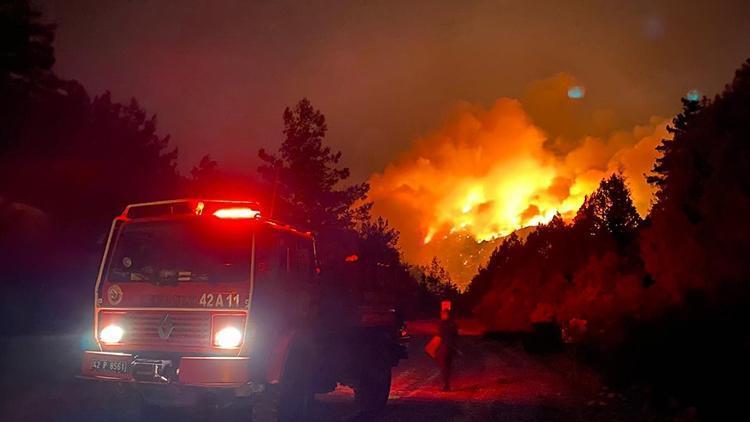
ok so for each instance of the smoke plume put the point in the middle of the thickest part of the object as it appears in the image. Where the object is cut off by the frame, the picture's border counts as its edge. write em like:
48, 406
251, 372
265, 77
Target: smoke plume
485, 173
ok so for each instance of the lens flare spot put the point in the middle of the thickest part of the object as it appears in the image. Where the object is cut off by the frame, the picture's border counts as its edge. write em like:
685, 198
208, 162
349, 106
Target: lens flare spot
576, 92
693, 95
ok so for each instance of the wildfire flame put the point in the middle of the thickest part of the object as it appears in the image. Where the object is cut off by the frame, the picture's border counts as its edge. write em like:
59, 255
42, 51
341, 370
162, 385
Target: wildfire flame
486, 173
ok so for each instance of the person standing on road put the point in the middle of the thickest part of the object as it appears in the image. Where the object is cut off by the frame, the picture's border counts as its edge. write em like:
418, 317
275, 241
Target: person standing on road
448, 332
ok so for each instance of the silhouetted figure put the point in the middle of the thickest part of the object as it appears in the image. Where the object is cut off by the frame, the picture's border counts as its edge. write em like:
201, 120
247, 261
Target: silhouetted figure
448, 332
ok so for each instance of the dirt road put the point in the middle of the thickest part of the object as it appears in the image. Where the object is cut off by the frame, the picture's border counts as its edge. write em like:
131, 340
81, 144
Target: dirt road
494, 380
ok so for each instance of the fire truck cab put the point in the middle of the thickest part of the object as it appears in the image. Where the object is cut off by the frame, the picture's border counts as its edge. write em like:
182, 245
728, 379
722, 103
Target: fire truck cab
206, 301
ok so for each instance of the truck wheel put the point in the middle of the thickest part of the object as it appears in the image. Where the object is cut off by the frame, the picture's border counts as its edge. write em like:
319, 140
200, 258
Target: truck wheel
288, 401
266, 405
371, 395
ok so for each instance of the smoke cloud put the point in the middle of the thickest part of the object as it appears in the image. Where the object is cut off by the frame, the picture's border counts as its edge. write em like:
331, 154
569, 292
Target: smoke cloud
485, 173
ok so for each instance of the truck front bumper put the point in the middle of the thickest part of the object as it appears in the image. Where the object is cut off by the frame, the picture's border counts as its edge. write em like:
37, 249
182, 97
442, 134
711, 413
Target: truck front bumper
209, 372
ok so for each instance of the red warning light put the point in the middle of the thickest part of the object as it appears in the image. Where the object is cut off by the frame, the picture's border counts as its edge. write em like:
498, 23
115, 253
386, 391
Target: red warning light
236, 213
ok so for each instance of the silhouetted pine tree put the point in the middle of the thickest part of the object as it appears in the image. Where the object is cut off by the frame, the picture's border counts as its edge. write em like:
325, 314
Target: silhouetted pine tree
204, 177
610, 209
703, 196
668, 149
305, 175
26, 44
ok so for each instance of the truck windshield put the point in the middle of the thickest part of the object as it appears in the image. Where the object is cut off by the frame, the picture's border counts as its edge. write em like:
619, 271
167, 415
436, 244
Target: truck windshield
181, 251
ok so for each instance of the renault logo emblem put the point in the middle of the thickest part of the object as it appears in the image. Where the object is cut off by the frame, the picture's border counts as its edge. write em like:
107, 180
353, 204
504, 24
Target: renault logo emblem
166, 326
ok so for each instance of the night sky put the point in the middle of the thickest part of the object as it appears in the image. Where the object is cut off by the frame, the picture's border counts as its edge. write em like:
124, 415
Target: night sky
218, 74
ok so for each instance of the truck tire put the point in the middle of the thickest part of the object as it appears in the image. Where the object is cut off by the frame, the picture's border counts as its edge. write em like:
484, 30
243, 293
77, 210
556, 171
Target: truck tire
371, 395
266, 405
288, 401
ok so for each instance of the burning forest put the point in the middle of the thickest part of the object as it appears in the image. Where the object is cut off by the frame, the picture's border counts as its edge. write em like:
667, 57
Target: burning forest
487, 173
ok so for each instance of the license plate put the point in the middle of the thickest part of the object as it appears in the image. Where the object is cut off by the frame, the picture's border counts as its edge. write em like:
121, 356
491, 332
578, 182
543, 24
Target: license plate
111, 366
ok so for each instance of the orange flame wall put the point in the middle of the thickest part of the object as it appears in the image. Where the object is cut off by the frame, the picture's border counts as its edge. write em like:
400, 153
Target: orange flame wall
486, 173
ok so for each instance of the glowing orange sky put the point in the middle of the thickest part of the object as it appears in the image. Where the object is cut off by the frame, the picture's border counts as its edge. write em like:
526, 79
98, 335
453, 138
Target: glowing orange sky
219, 74
512, 147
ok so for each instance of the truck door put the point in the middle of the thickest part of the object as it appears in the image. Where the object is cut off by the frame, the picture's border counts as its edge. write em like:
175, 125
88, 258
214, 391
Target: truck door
283, 287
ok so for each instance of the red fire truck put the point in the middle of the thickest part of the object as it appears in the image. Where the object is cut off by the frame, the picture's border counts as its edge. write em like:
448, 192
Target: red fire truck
207, 301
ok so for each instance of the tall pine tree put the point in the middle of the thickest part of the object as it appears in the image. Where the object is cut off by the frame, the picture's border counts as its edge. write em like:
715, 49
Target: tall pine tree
306, 176
669, 148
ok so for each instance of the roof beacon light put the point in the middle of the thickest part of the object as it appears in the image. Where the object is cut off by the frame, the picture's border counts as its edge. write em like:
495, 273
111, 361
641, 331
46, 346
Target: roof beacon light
236, 213
199, 208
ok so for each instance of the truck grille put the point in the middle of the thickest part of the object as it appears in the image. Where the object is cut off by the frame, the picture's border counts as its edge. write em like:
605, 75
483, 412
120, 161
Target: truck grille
168, 328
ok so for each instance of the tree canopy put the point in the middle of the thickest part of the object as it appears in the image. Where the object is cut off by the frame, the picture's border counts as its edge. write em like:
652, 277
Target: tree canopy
75, 159
306, 176
608, 266
26, 42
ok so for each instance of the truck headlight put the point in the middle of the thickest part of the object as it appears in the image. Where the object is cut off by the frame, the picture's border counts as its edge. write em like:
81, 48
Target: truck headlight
228, 338
111, 334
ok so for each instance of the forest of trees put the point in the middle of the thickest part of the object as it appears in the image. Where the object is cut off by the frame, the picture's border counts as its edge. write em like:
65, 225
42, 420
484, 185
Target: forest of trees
305, 182
661, 300
588, 269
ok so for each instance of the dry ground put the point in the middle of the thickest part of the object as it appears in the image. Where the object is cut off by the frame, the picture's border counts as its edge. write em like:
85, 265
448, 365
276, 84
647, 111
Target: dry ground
494, 381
